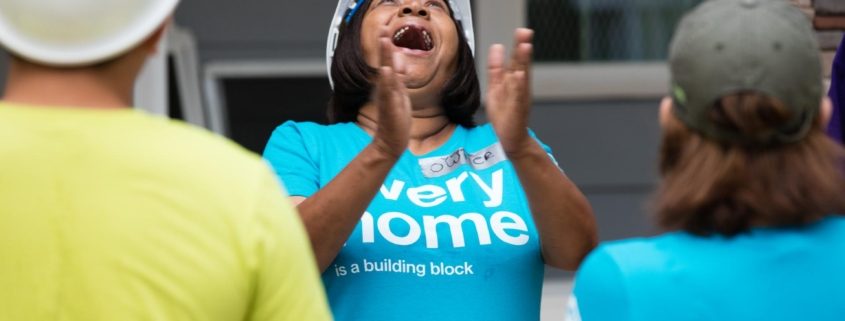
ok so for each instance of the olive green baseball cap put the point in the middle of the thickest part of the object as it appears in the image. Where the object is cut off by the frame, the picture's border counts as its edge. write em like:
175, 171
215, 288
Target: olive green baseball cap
723, 47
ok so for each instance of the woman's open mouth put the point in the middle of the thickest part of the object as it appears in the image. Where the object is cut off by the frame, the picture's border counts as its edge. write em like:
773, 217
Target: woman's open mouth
413, 37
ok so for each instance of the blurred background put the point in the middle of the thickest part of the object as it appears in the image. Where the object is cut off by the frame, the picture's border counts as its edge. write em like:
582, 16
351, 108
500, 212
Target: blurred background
241, 68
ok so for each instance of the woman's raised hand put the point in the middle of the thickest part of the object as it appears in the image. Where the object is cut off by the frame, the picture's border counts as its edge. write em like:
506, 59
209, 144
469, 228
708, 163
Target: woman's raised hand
391, 98
509, 92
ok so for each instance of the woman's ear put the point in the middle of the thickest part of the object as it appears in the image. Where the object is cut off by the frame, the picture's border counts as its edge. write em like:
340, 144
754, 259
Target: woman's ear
825, 112
665, 111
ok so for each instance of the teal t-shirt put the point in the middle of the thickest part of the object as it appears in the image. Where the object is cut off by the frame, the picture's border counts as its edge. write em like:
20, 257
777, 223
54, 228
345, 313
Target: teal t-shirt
772, 274
449, 236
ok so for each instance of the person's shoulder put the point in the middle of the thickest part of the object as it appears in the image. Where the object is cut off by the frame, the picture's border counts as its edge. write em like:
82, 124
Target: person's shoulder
834, 222
833, 225
487, 128
479, 136
642, 254
486, 132
182, 139
310, 137
188, 154
639, 244
314, 129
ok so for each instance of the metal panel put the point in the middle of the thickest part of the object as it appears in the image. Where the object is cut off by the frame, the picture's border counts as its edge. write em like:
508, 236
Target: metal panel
258, 29
602, 145
185, 58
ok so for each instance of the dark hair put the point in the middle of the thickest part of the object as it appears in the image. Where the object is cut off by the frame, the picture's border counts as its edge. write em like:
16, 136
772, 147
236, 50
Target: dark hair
460, 97
727, 188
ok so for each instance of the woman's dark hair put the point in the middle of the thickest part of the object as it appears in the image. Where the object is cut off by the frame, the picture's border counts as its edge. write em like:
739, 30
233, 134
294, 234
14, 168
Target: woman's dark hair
460, 97
725, 188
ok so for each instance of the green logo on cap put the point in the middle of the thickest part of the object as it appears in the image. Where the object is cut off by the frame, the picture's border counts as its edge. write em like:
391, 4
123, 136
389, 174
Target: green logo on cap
680, 94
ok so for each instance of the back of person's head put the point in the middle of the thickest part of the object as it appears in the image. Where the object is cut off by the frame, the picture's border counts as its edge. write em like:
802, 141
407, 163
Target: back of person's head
78, 33
743, 143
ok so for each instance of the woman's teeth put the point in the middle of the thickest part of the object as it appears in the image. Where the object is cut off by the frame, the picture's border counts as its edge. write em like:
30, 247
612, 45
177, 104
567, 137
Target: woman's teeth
413, 37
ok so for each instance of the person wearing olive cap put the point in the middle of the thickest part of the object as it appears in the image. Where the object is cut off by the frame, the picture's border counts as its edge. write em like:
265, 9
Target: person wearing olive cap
107, 213
749, 183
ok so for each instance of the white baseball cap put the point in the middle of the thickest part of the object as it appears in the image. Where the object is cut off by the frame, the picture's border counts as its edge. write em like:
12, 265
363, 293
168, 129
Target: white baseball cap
70, 33
461, 11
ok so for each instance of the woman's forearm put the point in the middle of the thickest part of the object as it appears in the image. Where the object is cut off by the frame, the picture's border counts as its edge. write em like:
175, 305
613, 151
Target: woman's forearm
562, 214
332, 213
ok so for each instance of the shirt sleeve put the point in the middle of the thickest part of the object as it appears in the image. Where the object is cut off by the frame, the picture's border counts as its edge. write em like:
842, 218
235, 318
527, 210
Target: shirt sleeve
292, 160
287, 285
545, 148
599, 293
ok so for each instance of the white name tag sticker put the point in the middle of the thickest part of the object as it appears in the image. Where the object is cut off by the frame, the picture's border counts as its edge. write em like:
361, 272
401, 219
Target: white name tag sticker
437, 166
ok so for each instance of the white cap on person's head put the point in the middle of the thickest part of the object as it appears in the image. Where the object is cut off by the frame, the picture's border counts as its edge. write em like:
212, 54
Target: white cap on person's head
71, 33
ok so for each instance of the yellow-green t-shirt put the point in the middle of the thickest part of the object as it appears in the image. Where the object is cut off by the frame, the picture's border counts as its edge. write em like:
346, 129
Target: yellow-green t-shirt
117, 215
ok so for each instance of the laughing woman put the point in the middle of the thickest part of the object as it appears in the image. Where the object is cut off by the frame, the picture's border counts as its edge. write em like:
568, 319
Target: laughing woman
414, 212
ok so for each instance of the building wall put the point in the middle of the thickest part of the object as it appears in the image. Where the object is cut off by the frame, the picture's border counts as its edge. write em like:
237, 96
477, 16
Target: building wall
829, 20
258, 29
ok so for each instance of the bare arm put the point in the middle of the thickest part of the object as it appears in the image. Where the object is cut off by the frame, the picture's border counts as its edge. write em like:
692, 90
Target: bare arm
332, 213
562, 214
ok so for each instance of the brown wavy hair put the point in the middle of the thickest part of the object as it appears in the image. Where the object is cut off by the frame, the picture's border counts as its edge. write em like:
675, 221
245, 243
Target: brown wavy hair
726, 188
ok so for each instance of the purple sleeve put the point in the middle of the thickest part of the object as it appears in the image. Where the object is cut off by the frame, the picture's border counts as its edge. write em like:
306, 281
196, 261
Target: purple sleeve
837, 94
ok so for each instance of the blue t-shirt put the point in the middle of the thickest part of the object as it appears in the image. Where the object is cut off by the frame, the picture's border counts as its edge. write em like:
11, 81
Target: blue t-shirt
772, 274
449, 236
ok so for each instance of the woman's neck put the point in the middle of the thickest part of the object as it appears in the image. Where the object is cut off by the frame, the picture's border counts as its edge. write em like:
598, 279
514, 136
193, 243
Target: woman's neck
430, 128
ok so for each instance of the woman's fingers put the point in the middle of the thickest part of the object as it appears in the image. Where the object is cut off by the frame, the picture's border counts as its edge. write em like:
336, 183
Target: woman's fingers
385, 53
522, 57
398, 63
521, 61
520, 88
386, 86
496, 64
523, 50
390, 67
385, 48
390, 60
523, 35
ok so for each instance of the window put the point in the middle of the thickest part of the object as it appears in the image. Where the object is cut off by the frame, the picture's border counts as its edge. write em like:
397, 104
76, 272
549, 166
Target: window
589, 49
604, 30
248, 99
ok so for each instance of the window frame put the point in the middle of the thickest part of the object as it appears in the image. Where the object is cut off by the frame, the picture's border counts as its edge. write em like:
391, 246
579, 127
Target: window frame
217, 71
496, 20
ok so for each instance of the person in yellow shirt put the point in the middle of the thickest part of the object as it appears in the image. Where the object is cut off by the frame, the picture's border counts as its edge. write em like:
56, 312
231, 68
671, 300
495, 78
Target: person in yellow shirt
107, 213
